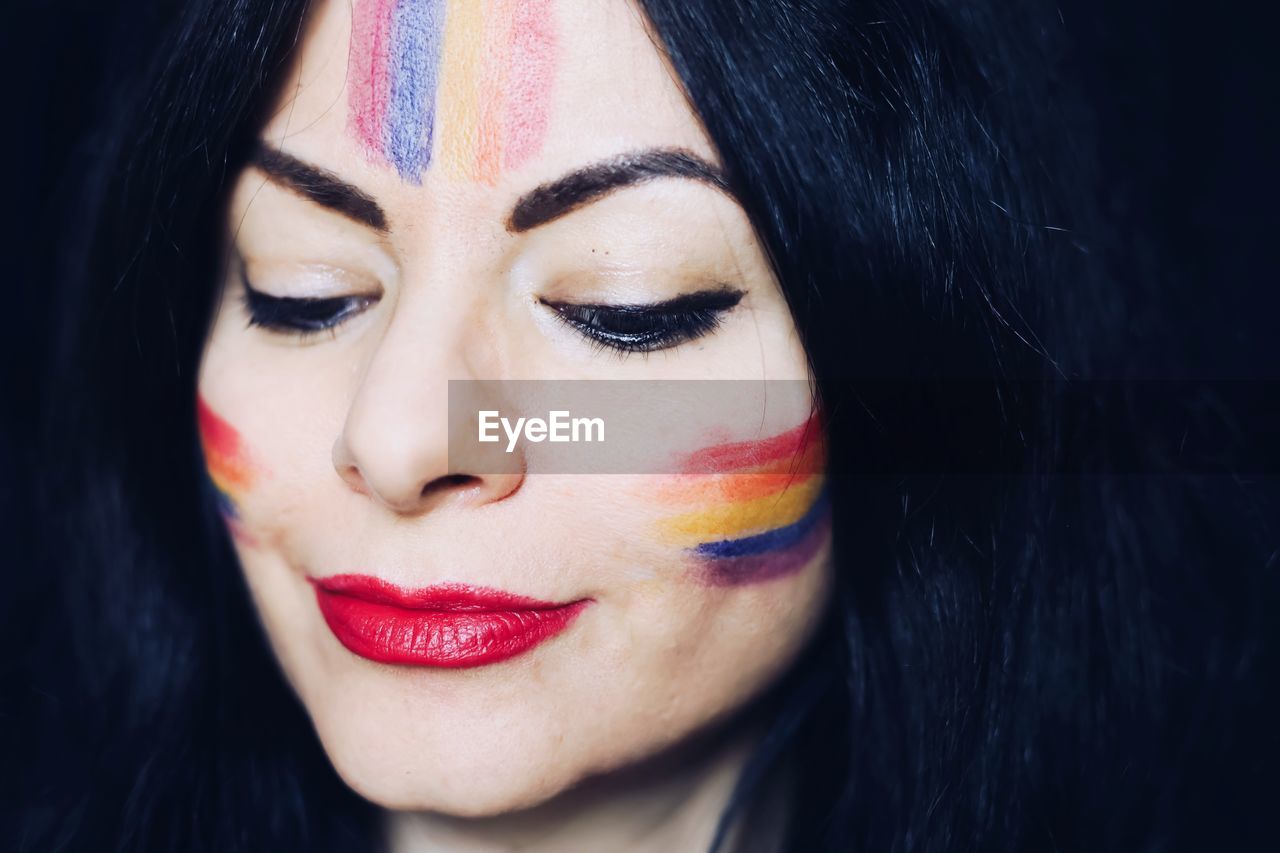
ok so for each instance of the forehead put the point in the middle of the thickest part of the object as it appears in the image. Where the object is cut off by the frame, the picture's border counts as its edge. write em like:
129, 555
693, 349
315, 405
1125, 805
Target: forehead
477, 92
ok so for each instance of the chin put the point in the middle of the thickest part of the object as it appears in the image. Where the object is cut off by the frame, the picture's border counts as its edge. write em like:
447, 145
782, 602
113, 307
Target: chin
475, 775
467, 797
457, 792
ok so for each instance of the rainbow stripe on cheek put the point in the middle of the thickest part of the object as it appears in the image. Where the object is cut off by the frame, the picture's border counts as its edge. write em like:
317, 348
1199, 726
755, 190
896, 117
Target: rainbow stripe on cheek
497, 58
226, 461
769, 514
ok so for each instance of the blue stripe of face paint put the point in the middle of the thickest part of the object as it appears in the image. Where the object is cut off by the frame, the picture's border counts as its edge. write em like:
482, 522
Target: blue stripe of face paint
417, 29
769, 541
225, 503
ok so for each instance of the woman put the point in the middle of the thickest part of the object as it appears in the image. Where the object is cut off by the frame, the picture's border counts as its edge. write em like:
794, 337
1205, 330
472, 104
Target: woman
295, 609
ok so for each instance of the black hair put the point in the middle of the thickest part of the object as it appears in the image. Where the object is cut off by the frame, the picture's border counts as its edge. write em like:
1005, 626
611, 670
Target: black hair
1030, 662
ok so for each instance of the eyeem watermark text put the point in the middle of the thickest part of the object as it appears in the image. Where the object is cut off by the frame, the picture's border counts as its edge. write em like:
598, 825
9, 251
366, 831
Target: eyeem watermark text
558, 427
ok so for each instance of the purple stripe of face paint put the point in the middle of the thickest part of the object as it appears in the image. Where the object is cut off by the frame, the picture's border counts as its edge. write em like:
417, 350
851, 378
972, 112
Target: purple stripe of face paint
226, 505
417, 29
769, 541
730, 571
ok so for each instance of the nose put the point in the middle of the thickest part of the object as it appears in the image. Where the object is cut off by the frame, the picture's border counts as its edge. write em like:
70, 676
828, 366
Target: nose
394, 444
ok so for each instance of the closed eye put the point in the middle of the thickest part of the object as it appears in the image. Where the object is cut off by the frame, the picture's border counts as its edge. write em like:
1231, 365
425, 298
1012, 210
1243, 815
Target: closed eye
301, 316
648, 327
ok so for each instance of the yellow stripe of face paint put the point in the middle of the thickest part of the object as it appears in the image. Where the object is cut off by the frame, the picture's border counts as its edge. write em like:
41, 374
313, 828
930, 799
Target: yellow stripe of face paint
746, 517
459, 96
225, 481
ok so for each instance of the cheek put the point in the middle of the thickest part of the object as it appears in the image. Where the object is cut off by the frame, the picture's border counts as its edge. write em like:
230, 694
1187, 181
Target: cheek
738, 547
750, 512
712, 631
264, 471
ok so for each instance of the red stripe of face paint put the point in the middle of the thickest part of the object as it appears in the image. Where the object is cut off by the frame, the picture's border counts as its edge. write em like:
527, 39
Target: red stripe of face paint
529, 77
735, 456
224, 451
368, 83
218, 436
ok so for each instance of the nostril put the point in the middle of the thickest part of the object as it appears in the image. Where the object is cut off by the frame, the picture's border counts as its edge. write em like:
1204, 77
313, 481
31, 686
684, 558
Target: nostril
448, 482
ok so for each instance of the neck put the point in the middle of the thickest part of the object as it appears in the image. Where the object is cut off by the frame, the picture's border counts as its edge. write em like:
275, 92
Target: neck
673, 802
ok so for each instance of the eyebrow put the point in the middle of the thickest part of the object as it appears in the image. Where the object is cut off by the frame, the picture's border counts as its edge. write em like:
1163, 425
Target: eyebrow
324, 188
552, 200
542, 204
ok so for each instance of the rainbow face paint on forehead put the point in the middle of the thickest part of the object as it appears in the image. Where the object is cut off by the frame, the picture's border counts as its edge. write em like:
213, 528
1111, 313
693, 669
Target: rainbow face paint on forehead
230, 468
763, 510
476, 73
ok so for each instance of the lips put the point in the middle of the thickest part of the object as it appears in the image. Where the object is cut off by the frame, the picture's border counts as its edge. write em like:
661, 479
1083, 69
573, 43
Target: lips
446, 625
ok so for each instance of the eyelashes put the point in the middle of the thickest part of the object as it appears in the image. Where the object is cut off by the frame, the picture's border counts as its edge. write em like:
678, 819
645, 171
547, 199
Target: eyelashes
301, 316
651, 327
622, 328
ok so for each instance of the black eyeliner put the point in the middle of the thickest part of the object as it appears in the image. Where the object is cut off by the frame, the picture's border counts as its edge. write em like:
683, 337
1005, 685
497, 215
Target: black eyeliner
647, 327
298, 315
717, 299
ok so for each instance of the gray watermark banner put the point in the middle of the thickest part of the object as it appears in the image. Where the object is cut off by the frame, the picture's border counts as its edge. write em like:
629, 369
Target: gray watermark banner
892, 427
624, 426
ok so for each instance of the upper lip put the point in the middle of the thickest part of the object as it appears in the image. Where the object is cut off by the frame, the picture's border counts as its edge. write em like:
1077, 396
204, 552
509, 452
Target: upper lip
443, 597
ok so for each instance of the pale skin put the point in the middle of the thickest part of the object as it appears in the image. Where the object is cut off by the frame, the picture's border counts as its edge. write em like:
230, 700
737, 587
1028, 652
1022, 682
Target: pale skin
628, 731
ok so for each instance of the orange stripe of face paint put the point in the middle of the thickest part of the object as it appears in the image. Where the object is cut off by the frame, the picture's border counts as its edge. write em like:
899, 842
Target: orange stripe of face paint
748, 485
725, 520
761, 514
499, 21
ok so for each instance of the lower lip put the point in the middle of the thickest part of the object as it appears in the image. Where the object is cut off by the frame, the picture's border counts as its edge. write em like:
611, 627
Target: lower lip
450, 626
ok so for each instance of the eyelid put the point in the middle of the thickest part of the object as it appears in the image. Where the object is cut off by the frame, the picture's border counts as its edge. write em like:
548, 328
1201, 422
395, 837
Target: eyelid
307, 280
301, 317
717, 299
674, 321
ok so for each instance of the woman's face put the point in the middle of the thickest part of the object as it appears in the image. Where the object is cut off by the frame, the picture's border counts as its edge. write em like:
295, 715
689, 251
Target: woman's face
386, 242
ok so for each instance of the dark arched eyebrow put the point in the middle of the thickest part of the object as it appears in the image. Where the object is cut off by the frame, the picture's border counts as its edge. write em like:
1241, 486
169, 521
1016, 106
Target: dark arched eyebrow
554, 199
321, 186
539, 206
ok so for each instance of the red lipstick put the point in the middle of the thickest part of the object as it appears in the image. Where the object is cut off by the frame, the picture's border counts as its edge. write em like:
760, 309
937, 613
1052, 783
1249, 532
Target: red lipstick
446, 625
